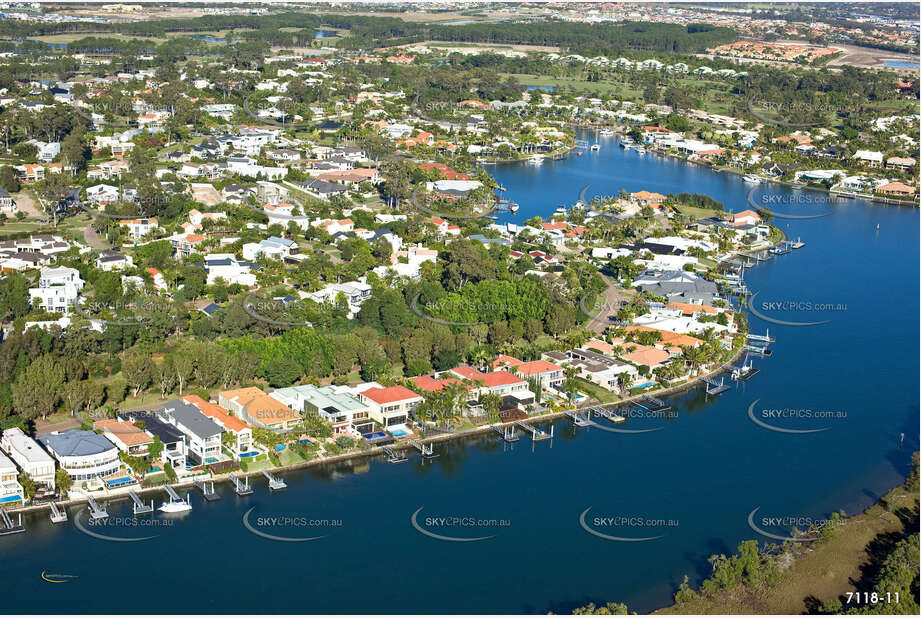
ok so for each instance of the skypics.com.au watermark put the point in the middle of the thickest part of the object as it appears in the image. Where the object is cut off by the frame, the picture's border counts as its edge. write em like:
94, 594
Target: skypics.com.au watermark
626, 528
792, 114
290, 528
794, 420
458, 528
800, 200
130, 312
121, 529
786, 527
141, 207
287, 313
764, 308
460, 308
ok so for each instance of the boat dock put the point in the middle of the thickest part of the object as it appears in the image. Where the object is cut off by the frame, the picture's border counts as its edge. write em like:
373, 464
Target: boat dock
536, 433
393, 457
274, 481
241, 487
744, 372
96, 512
651, 404
426, 450
578, 420
57, 515
207, 490
8, 526
754, 349
611, 415
139, 507
765, 338
713, 387
507, 432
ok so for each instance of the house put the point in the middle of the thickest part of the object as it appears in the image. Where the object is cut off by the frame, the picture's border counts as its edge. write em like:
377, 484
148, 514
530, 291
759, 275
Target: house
197, 217
354, 292
322, 189
185, 244
898, 189
226, 266
273, 248
128, 437
903, 164
548, 374
645, 356
58, 289
11, 491
203, 435
111, 260
869, 158
242, 445
173, 440
84, 455
139, 228
29, 456
7, 204
388, 406
102, 194
334, 404
746, 217
602, 370
258, 409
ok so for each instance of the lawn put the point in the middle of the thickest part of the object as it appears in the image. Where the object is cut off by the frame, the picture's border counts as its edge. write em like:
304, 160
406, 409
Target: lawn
595, 391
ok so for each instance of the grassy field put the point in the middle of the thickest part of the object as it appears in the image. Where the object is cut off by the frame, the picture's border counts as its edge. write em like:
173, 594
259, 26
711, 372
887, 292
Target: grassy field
825, 571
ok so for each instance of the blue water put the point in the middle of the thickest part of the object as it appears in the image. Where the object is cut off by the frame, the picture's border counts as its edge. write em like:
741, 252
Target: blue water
324, 34
706, 469
901, 64
545, 88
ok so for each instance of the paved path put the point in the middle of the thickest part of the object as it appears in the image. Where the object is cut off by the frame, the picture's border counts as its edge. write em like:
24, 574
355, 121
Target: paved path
93, 239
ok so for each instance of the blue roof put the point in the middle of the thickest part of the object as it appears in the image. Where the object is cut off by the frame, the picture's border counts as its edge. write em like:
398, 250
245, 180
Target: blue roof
76, 443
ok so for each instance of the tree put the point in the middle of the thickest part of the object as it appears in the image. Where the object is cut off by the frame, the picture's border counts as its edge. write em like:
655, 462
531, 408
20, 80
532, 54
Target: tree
611, 609
37, 390
183, 364
29, 487
9, 180
139, 371
62, 480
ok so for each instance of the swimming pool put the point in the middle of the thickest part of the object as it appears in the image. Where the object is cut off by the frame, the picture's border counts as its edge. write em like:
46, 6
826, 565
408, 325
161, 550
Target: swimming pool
211, 460
124, 480
249, 454
280, 447
15, 498
644, 385
399, 432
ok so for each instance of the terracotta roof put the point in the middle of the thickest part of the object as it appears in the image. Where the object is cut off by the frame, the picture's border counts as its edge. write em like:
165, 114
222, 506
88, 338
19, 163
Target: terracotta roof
392, 394
218, 413
500, 378
537, 367
128, 433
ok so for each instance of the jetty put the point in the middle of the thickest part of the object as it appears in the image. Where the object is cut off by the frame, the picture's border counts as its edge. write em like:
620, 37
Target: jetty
765, 338
507, 432
241, 486
578, 420
755, 349
537, 434
713, 387
139, 507
392, 457
57, 515
426, 450
96, 512
8, 526
651, 404
744, 372
274, 481
609, 414
207, 490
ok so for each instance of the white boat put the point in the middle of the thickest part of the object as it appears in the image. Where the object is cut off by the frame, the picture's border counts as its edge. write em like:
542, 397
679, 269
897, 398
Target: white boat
175, 507
606, 133
560, 210
536, 160
752, 179
640, 150
595, 148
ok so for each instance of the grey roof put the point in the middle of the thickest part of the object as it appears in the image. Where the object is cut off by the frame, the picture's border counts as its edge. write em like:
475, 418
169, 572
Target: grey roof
76, 443
702, 290
192, 418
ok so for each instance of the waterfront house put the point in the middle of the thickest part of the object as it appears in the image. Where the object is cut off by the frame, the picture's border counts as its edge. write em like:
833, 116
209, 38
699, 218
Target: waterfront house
11, 491
643, 355
896, 189
600, 369
243, 433
903, 164
203, 436
869, 158
172, 439
258, 409
84, 455
548, 374
29, 456
388, 406
128, 437
334, 404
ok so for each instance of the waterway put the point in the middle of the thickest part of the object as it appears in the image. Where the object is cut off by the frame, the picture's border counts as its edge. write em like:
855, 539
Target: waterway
689, 486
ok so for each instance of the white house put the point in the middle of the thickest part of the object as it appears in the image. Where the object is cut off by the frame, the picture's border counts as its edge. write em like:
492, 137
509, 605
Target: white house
388, 406
273, 248
10, 489
226, 266
29, 456
83, 454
